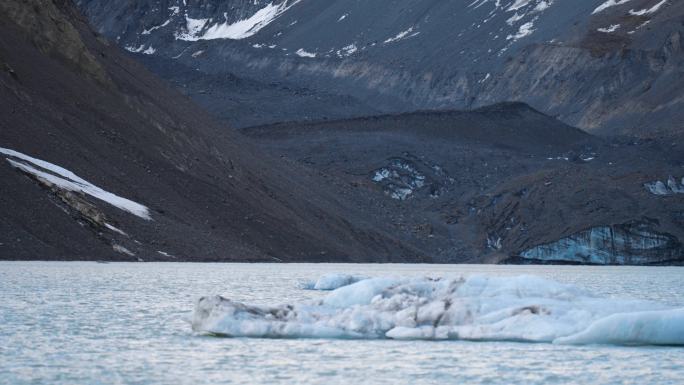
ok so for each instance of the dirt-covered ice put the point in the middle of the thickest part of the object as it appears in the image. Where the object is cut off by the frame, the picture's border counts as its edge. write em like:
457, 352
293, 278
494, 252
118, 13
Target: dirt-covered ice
523, 308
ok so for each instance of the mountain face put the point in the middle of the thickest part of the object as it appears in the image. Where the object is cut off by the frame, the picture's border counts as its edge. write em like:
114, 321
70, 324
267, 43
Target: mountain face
610, 67
101, 160
503, 183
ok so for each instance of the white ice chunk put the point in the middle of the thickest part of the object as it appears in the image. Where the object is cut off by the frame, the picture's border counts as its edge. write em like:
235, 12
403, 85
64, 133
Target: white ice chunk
333, 281
665, 327
524, 308
67, 180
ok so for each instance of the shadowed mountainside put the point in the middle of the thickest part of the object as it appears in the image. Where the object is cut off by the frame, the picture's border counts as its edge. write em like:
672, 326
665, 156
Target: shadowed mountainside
69, 98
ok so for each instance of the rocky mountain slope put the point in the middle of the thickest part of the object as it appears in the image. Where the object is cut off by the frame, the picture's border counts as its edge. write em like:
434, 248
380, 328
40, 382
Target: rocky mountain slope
101, 160
502, 184
602, 65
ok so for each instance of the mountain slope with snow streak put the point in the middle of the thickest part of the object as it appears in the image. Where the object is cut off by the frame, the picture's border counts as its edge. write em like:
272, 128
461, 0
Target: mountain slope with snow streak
610, 66
101, 160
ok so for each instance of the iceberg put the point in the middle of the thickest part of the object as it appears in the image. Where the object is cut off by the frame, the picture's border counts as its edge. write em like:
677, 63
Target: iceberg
665, 327
332, 281
476, 308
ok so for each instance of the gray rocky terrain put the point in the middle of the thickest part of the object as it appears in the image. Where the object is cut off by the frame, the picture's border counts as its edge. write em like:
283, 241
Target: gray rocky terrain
610, 67
136, 171
503, 183
512, 131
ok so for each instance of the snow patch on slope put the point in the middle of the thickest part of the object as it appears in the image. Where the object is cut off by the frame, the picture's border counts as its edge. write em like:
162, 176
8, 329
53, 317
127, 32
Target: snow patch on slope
238, 30
648, 11
347, 50
193, 27
402, 35
610, 29
302, 53
608, 4
67, 180
525, 30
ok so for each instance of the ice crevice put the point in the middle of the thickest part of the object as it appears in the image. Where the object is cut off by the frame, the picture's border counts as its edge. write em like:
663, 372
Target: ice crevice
475, 308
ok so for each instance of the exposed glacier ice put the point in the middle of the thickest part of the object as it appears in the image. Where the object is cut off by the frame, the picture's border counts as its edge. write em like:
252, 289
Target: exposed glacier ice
484, 308
671, 187
332, 281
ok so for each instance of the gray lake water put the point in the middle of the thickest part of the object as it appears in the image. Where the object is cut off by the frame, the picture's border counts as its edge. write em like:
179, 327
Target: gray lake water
91, 323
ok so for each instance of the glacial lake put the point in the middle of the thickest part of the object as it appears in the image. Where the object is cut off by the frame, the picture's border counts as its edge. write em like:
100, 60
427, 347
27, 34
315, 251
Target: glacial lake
128, 323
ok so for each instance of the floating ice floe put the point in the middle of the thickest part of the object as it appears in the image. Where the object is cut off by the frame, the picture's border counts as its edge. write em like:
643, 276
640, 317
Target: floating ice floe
67, 180
660, 188
481, 308
332, 281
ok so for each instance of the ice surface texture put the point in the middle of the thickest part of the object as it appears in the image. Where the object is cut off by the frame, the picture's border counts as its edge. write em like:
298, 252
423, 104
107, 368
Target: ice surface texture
523, 308
332, 281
